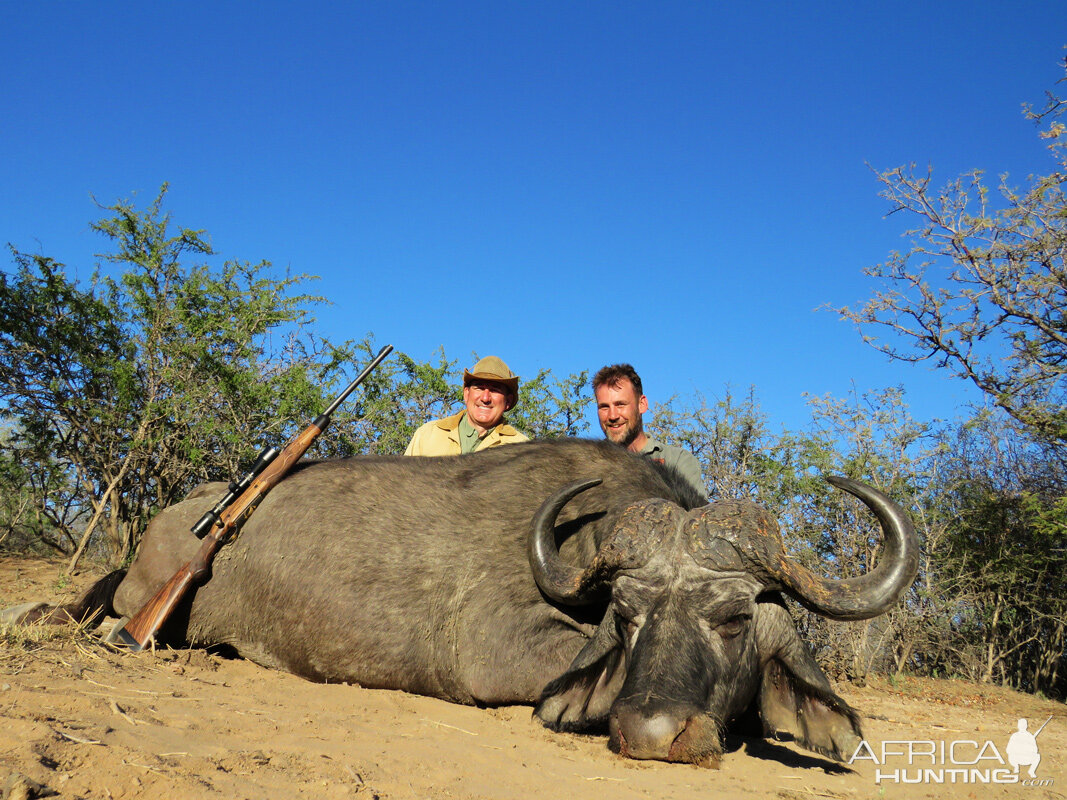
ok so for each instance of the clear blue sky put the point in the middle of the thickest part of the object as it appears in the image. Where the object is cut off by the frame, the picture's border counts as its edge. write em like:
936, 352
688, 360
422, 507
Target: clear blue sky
678, 185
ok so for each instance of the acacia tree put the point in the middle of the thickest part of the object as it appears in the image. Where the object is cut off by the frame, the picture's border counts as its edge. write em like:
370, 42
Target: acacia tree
981, 293
24, 477
982, 289
740, 456
1005, 556
154, 377
550, 407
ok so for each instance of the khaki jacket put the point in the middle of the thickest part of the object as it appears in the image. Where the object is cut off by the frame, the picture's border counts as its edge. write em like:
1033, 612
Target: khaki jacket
441, 437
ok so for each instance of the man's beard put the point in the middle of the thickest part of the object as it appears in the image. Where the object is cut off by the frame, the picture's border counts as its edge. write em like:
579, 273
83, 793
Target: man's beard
625, 435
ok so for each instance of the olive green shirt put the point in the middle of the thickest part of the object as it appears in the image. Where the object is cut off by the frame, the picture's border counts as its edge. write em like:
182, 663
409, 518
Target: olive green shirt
469, 438
681, 460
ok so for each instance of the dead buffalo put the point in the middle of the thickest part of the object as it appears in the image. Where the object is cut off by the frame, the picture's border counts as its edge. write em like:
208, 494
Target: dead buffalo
570, 574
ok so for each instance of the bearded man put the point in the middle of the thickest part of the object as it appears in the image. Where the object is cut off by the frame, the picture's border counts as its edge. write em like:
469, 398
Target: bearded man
620, 402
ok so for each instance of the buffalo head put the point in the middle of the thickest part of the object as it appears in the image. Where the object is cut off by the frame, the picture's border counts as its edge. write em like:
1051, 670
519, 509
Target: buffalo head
695, 628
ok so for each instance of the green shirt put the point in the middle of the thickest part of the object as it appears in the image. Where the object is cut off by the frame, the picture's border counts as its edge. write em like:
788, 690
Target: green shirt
682, 460
469, 438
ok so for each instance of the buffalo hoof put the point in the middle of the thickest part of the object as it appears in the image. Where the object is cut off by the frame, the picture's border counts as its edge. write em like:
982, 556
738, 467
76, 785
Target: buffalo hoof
23, 614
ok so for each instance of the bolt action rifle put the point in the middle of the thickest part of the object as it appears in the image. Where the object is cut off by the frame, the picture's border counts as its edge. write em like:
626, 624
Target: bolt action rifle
216, 526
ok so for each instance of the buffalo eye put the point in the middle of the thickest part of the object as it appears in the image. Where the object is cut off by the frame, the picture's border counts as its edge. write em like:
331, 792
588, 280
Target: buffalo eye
732, 627
627, 618
624, 611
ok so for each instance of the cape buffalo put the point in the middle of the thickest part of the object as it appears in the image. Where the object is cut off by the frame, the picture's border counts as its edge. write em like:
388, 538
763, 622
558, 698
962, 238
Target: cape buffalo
569, 574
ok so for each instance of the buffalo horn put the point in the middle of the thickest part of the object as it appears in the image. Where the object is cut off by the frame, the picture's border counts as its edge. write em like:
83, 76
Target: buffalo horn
562, 582
867, 595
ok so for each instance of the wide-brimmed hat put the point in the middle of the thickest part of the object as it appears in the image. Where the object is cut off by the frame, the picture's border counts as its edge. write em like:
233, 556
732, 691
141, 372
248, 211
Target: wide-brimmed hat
492, 368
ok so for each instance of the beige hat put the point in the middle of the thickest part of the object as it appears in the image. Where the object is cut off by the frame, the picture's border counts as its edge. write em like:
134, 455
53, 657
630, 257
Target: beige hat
492, 368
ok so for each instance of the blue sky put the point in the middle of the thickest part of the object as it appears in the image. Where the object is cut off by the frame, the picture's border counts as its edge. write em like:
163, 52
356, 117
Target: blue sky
678, 185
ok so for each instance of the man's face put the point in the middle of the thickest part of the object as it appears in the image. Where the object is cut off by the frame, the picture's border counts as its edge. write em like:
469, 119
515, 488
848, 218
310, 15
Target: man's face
620, 409
486, 403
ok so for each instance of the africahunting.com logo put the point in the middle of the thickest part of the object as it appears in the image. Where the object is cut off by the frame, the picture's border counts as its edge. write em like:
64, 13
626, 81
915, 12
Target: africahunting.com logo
959, 761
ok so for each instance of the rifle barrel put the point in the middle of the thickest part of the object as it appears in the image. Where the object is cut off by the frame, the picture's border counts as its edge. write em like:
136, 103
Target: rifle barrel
359, 379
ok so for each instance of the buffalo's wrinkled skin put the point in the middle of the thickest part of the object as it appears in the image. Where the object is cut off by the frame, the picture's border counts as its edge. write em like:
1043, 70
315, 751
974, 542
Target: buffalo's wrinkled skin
413, 574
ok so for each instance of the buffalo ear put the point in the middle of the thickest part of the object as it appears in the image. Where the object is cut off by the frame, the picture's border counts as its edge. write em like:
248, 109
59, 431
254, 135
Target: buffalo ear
795, 696
581, 697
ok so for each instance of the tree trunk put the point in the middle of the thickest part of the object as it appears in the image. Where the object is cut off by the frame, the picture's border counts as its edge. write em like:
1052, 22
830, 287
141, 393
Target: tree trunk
991, 657
108, 493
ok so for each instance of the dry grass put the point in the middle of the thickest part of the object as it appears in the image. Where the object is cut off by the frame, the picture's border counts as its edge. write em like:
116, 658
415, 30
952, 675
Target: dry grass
21, 642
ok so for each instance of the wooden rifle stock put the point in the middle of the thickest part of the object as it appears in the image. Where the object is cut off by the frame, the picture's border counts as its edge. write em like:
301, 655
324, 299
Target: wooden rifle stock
143, 625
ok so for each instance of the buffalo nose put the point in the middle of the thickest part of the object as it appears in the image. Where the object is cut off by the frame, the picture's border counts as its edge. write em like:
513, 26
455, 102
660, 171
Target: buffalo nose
684, 734
644, 735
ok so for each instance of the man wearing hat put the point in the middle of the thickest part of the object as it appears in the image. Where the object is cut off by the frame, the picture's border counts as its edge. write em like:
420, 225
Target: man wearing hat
489, 389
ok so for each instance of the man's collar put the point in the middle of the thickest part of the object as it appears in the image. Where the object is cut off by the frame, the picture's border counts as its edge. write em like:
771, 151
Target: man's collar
452, 424
650, 446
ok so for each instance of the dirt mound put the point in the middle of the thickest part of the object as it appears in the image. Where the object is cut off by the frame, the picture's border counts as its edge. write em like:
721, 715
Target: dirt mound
78, 719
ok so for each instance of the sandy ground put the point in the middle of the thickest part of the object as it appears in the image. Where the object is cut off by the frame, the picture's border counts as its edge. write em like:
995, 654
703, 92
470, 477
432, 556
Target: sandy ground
78, 719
